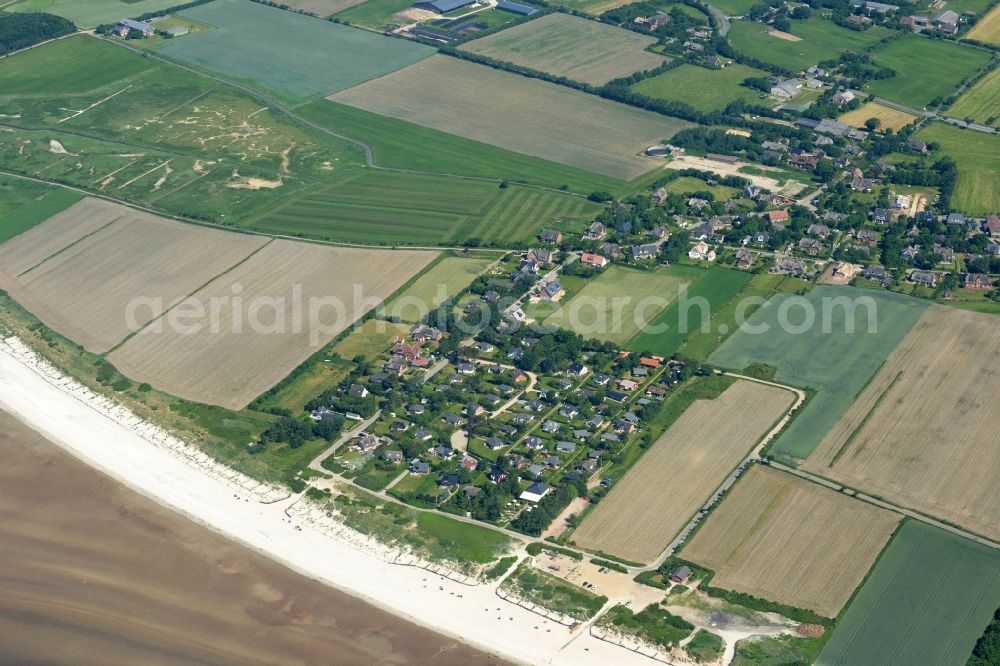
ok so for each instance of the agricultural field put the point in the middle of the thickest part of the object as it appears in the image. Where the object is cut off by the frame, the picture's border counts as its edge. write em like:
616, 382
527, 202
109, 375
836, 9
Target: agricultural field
69, 67
24, 204
927, 601
370, 339
763, 538
734, 7
293, 55
685, 318
987, 30
819, 40
802, 353
605, 137
422, 209
981, 102
593, 7
888, 118
620, 302
243, 333
322, 8
151, 259
402, 145
977, 191
376, 14
576, 48
920, 432
926, 69
91, 13
680, 471
706, 90
441, 281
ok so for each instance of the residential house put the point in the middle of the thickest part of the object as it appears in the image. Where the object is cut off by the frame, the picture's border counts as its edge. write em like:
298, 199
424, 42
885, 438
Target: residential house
702, 251
419, 467
867, 237
659, 196
640, 252
882, 215
552, 290
924, 278
843, 270
810, 246
595, 260
539, 255
778, 218
976, 281
744, 259
991, 225
819, 230
550, 236
595, 232
536, 492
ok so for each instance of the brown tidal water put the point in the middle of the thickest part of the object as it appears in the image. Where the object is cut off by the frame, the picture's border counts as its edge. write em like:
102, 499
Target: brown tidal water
93, 573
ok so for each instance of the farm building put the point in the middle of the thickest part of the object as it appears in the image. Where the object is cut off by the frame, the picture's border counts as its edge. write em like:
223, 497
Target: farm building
516, 8
125, 26
443, 6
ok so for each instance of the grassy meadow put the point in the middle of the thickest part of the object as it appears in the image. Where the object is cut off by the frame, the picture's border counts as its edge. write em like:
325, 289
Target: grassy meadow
25, 206
835, 363
391, 208
445, 278
704, 89
714, 288
91, 13
819, 40
926, 69
978, 157
981, 102
293, 55
927, 601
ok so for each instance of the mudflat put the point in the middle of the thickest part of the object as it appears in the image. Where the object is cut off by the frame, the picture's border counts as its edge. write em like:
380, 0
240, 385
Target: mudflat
95, 573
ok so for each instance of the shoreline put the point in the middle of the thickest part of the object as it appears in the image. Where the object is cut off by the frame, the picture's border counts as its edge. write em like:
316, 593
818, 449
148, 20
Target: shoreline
472, 615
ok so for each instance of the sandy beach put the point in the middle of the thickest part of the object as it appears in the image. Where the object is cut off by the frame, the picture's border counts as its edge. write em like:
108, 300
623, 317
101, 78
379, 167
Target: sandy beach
63, 412
95, 573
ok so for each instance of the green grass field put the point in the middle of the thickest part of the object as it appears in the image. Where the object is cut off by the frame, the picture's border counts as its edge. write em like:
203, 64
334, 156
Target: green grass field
294, 55
70, 66
978, 157
734, 7
619, 302
690, 184
442, 280
927, 601
704, 89
981, 102
467, 542
18, 214
706, 296
403, 145
820, 40
926, 69
824, 356
374, 14
91, 13
370, 339
393, 208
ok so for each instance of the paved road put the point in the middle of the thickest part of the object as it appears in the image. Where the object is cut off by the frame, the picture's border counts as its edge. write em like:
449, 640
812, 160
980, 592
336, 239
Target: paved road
723, 20
317, 465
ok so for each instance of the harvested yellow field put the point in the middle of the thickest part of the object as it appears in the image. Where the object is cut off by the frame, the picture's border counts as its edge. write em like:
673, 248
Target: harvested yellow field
98, 288
682, 469
322, 8
781, 538
890, 118
42, 241
570, 46
249, 328
925, 433
528, 116
987, 29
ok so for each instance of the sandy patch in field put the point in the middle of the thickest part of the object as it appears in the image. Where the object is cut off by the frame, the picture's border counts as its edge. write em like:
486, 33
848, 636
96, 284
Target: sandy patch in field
680, 162
247, 330
925, 432
249, 183
57, 148
682, 469
787, 36
559, 525
85, 290
779, 537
